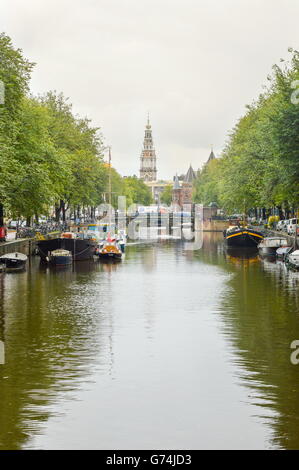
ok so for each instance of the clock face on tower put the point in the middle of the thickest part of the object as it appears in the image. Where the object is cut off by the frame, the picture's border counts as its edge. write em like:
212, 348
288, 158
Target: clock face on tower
148, 171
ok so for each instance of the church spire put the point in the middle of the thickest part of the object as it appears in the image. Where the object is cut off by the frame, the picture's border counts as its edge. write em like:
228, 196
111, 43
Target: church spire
148, 170
212, 155
176, 184
190, 175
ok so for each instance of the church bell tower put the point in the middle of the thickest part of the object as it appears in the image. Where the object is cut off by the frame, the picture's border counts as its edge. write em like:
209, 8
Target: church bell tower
148, 169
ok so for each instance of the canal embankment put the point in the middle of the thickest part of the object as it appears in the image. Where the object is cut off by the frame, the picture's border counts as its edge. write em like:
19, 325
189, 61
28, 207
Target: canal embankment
24, 245
27, 246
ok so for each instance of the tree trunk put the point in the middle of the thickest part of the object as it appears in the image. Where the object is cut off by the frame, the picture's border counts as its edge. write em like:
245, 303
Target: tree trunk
281, 216
264, 213
62, 206
57, 212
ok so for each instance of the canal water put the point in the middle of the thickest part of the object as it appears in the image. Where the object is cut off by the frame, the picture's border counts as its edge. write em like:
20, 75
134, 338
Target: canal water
167, 349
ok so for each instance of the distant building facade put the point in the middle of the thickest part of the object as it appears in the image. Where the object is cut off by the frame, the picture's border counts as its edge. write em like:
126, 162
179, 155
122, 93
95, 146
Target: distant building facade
176, 192
183, 185
182, 190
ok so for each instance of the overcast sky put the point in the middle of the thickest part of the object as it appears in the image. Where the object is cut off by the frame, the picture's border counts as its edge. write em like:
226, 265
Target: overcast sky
193, 64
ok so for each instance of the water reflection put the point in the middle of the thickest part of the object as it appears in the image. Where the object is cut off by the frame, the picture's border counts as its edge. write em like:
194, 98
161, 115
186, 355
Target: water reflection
51, 340
169, 348
260, 315
2, 321
2, 353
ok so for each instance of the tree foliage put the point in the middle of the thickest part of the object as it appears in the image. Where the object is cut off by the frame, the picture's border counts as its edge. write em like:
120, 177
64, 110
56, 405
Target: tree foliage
49, 157
136, 191
14, 76
259, 166
166, 196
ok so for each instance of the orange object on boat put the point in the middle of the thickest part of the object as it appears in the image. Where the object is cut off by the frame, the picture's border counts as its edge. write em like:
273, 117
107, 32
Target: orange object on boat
67, 235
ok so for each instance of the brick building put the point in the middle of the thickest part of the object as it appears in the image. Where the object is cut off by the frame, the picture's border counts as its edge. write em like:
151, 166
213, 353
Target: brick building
182, 190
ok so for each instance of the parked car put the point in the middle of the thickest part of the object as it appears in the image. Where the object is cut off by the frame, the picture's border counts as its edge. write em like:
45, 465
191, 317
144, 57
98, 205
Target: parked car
286, 224
292, 226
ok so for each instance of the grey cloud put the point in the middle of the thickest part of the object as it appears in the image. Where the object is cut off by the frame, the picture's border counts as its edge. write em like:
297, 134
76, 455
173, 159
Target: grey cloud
193, 64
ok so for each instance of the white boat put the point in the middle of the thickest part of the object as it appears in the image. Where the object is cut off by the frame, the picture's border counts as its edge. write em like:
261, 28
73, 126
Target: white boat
292, 260
13, 261
269, 245
283, 252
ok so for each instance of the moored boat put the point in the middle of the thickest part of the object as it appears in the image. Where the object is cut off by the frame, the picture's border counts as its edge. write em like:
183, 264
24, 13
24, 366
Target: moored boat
13, 261
240, 237
269, 245
283, 252
60, 257
81, 247
109, 249
292, 260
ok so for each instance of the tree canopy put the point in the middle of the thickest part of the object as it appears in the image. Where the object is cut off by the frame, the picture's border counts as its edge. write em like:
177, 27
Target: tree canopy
259, 166
49, 156
166, 196
136, 191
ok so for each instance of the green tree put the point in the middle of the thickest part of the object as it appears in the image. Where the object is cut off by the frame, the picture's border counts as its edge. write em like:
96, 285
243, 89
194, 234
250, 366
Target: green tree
82, 147
166, 196
259, 165
42, 168
136, 191
15, 73
206, 186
